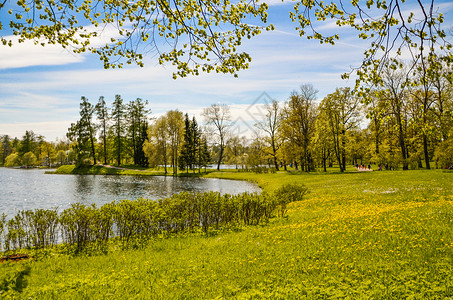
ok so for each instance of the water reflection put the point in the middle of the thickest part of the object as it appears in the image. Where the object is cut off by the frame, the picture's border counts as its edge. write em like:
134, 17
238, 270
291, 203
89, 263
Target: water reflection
84, 186
29, 189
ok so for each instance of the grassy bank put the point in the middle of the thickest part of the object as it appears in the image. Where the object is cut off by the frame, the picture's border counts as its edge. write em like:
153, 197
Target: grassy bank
122, 170
357, 235
101, 170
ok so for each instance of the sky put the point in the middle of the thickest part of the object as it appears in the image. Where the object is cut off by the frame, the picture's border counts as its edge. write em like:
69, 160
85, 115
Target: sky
41, 87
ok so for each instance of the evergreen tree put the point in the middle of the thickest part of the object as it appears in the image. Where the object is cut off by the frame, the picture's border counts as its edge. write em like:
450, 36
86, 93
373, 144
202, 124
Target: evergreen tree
137, 125
82, 133
28, 143
118, 128
195, 143
190, 147
203, 153
103, 117
86, 122
6, 148
184, 161
75, 134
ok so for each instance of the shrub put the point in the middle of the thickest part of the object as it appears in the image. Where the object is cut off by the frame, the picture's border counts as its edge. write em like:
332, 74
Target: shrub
85, 226
288, 193
41, 227
77, 225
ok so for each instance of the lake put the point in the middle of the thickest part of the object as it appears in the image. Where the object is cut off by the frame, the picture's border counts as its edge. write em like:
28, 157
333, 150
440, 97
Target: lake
22, 189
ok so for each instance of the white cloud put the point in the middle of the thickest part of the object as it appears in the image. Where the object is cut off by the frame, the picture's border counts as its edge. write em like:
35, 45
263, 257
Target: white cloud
278, 2
50, 130
29, 53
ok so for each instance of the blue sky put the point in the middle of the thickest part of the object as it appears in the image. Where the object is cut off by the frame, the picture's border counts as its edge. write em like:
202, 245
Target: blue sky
41, 87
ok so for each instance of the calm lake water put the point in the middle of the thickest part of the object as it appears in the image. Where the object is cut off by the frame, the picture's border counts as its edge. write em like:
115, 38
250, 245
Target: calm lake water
29, 189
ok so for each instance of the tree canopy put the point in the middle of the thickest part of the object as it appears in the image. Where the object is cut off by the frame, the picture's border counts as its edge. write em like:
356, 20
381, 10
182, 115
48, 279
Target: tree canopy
397, 30
205, 35
192, 35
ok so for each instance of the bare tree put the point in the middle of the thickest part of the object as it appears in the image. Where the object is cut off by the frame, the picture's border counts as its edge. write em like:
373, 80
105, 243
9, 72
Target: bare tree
270, 125
219, 117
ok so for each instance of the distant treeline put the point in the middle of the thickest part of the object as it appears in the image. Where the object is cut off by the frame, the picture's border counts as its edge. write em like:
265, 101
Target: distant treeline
393, 125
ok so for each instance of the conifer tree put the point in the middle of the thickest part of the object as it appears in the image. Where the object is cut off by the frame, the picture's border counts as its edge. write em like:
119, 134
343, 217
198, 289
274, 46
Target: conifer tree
137, 124
118, 127
103, 117
203, 154
82, 133
86, 121
190, 148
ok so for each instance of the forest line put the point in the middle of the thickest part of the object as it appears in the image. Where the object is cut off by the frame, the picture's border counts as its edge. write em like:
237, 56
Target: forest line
408, 127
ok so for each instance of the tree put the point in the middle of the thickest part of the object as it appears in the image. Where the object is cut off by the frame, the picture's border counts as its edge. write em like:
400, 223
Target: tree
86, 121
235, 150
83, 133
137, 126
443, 104
156, 146
6, 147
61, 157
322, 140
12, 160
117, 116
201, 36
76, 135
271, 125
342, 113
423, 101
396, 83
299, 122
203, 154
175, 127
190, 147
376, 110
48, 150
391, 31
255, 153
28, 143
210, 32
103, 117
219, 117
444, 152
29, 159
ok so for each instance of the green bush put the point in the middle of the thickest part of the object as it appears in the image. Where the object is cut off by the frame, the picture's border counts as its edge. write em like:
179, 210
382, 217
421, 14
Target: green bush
288, 193
135, 221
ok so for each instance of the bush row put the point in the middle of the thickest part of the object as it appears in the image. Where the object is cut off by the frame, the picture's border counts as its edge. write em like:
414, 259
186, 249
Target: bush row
83, 225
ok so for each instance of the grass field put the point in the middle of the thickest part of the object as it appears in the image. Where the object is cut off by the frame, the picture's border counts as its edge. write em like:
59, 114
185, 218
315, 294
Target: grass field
378, 235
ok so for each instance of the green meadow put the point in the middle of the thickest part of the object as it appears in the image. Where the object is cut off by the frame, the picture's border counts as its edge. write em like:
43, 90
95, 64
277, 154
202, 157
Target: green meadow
358, 235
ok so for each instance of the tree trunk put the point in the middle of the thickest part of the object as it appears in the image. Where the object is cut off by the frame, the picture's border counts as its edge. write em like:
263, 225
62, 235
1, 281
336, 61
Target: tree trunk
275, 155
220, 156
402, 143
425, 150
92, 146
